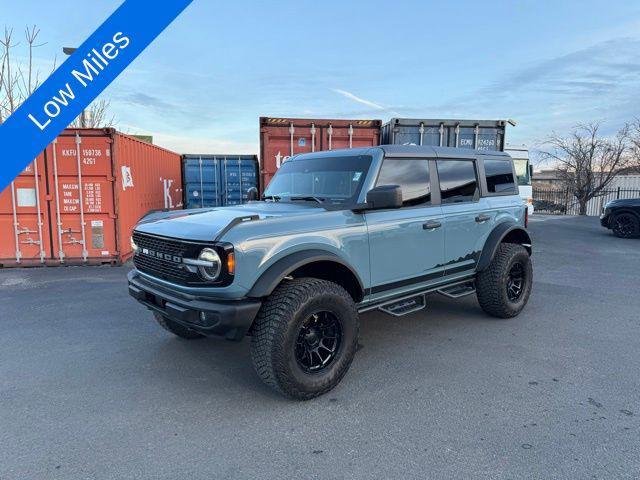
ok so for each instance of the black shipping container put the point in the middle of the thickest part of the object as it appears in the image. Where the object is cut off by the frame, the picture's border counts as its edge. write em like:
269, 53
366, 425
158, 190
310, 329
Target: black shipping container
474, 134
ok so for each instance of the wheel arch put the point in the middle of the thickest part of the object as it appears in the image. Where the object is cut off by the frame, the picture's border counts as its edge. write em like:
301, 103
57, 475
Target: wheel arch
506, 232
309, 263
623, 210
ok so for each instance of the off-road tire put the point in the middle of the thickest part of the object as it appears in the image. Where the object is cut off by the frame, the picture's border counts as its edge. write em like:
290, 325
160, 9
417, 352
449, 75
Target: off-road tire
491, 283
633, 225
176, 328
276, 329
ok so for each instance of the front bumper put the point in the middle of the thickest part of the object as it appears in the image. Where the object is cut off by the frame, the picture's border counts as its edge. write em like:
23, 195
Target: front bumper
212, 317
604, 221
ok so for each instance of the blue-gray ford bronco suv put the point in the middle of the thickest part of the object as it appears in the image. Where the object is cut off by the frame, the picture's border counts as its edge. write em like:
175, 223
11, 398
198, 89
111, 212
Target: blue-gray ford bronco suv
336, 234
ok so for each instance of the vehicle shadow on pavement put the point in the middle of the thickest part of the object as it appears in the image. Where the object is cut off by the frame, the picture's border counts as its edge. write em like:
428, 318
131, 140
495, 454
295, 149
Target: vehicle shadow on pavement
210, 366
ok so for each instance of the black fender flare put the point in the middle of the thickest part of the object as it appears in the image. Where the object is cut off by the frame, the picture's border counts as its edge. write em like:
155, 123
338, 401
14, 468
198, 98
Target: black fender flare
273, 275
496, 237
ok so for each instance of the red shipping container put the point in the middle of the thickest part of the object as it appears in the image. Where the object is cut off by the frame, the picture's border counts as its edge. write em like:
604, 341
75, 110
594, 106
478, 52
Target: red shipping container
282, 137
24, 226
96, 186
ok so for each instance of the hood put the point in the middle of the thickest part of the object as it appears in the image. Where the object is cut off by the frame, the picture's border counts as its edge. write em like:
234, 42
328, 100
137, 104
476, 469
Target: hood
206, 224
631, 202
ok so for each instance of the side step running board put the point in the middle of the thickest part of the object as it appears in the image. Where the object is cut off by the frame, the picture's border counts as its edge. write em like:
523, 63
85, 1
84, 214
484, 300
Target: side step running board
399, 306
405, 306
457, 291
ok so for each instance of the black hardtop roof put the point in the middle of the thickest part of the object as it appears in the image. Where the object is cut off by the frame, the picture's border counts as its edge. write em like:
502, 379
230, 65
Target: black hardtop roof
406, 150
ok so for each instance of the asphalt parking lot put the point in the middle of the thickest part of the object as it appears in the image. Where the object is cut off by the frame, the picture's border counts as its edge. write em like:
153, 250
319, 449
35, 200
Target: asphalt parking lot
91, 387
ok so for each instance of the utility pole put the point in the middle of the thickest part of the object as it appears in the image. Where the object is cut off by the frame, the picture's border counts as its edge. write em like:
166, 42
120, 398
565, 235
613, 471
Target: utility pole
83, 120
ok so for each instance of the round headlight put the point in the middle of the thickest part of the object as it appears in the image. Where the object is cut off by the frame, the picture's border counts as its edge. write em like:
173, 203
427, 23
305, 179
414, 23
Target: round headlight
211, 271
134, 246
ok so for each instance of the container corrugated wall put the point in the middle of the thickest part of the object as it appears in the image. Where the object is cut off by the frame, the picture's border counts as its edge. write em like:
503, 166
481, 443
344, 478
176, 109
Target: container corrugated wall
474, 134
95, 184
214, 180
282, 137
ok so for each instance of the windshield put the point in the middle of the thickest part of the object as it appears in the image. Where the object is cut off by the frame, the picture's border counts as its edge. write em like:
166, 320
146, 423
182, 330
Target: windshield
323, 179
522, 171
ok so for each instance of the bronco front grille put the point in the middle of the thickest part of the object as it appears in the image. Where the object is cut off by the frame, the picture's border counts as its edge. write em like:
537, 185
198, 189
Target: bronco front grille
162, 258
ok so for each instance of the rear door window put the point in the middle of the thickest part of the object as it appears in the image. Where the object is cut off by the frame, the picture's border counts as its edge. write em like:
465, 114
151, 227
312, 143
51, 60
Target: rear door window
458, 181
412, 176
499, 175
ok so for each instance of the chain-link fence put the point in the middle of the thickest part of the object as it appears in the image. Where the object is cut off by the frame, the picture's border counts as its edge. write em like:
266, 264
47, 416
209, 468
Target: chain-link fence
562, 202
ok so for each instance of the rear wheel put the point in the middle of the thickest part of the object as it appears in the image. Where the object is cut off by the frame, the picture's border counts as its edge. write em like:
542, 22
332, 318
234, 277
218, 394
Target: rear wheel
304, 337
176, 328
503, 288
625, 225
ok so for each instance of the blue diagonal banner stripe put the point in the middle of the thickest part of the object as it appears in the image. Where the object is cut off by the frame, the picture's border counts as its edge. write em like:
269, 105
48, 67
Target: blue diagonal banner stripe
79, 80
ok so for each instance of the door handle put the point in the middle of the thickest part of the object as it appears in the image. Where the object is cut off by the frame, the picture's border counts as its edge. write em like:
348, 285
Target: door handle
431, 225
482, 218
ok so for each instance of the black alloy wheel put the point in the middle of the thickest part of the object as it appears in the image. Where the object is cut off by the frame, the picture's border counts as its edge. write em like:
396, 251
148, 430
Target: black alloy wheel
515, 282
625, 226
318, 341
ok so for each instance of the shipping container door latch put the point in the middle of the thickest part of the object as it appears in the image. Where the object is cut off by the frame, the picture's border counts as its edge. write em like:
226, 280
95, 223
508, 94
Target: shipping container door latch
74, 241
31, 241
313, 137
291, 132
330, 132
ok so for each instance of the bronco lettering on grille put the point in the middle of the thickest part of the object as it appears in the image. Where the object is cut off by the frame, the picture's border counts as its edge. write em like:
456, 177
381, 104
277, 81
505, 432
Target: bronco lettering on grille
161, 255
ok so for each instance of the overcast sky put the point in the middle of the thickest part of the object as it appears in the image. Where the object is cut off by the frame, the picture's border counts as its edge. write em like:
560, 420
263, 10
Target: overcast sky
201, 86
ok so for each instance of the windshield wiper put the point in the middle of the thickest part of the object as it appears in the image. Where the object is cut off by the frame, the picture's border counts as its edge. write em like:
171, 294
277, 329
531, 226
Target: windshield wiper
273, 198
309, 198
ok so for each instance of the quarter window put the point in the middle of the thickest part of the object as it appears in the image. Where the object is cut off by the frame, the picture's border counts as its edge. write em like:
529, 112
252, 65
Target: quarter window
411, 175
499, 176
458, 180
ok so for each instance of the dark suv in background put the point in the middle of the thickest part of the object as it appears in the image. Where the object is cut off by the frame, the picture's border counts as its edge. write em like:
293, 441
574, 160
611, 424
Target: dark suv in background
622, 217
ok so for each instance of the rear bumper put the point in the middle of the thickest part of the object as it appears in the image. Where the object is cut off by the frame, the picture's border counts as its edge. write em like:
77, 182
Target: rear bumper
212, 317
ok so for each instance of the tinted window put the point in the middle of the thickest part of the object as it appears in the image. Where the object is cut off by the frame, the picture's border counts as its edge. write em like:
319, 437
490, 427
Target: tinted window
332, 179
499, 176
458, 182
411, 175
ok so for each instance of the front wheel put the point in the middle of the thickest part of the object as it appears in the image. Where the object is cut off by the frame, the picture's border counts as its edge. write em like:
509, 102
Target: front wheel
305, 337
503, 288
625, 225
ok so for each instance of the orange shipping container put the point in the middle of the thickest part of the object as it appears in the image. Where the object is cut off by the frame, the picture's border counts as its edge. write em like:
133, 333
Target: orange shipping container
281, 138
94, 185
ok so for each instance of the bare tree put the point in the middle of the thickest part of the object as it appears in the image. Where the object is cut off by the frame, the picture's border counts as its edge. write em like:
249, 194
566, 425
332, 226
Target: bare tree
8, 80
587, 162
634, 135
18, 80
95, 116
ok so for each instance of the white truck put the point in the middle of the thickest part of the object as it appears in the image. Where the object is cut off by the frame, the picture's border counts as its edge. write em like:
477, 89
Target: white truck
524, 170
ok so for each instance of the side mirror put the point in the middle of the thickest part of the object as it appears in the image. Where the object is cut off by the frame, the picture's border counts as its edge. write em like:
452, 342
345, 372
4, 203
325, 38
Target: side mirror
252, 194
384, 196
